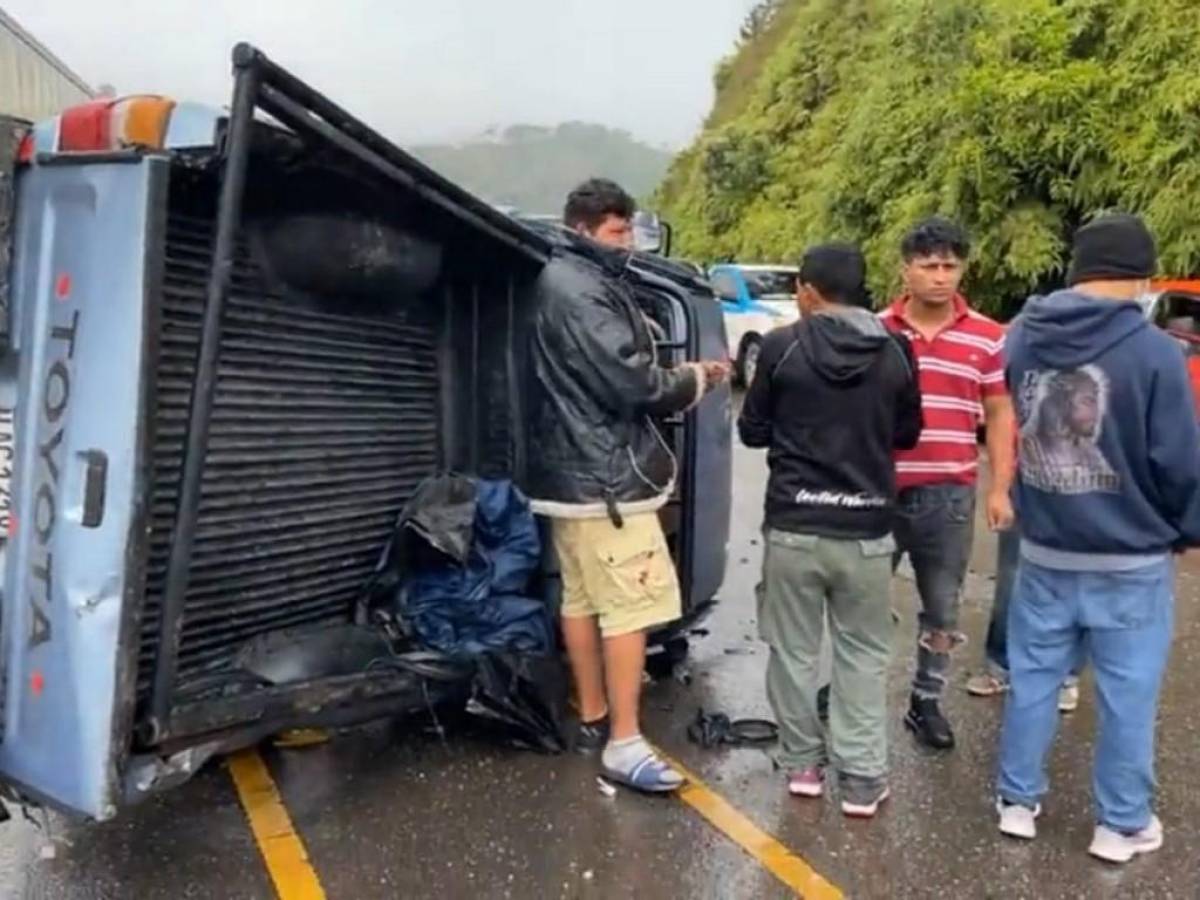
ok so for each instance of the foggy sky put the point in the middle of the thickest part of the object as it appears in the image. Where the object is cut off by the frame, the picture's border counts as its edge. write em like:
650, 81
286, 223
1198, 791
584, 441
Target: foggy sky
418, 70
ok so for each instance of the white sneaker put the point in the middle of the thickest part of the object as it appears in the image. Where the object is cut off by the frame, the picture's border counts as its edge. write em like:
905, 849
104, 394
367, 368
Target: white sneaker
1112, 846
1018, 821
1068, 697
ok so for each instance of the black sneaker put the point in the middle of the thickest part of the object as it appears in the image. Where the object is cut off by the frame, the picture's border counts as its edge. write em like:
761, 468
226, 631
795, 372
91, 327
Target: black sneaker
592, 736
926, 721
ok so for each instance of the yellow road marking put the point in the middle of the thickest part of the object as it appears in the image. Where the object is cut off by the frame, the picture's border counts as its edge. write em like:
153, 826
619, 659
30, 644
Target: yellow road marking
774, 856
281, 848
295, 879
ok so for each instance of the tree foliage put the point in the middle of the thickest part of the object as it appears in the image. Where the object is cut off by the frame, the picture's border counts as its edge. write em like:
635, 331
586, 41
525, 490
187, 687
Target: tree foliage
759, 19
1020, 118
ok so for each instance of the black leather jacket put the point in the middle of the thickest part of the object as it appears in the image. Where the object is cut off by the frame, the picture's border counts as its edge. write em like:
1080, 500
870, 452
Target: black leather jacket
596, 386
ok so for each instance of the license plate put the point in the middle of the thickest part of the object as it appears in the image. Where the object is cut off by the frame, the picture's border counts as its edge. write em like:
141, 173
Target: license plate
7, 450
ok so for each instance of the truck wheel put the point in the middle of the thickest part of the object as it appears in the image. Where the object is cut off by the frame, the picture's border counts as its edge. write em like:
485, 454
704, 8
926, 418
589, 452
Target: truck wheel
747, 359
670, 654
677, 649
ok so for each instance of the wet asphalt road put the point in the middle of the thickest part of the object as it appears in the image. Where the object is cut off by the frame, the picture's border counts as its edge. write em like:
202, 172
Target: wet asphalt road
393, 811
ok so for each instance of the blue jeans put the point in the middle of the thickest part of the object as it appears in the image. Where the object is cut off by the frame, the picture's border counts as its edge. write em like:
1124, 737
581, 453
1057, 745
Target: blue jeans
935, 525
1123, 621
1008, 554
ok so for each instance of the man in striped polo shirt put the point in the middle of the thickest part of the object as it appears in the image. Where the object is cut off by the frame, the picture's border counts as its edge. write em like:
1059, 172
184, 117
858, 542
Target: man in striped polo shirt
959, 355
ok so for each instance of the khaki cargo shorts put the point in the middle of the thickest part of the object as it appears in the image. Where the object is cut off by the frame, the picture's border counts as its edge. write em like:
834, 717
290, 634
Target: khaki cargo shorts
623, 576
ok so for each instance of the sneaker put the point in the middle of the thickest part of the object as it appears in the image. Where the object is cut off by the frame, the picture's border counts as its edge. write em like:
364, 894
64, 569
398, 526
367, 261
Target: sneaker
861, 797
987, 685
926, 721
1018, 821
809, 783
1068, 697
635, 764
592, 736
1115, 847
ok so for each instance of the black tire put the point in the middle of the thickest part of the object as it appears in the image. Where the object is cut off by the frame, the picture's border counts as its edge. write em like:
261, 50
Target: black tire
747, 359
660, 664
677, 648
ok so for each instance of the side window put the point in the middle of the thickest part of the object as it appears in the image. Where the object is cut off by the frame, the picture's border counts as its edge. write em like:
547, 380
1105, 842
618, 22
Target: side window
1161, 312
725, 286
1179, 313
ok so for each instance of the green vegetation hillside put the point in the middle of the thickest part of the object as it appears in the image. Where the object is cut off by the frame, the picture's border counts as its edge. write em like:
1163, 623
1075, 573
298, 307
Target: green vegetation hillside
533, 168
850, 119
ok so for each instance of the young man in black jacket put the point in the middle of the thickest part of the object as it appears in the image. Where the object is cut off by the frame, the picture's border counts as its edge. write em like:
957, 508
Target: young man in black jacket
600, 471
833, 397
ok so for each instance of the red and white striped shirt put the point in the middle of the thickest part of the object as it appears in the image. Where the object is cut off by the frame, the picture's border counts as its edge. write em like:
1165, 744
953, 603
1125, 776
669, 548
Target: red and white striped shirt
959, 367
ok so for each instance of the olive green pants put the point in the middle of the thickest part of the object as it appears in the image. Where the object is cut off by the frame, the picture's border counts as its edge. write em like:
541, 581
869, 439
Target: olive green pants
807, 579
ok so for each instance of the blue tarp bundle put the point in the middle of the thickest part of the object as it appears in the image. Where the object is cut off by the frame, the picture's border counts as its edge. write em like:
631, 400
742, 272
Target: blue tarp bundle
472, 595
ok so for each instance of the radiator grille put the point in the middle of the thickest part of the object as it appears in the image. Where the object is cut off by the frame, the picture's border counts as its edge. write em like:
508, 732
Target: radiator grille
323, 425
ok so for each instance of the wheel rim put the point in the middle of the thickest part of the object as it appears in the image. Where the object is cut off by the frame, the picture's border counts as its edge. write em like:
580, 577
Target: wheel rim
750, 362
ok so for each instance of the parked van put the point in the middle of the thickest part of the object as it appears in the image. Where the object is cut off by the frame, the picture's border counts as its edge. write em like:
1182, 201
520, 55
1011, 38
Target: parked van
232, 349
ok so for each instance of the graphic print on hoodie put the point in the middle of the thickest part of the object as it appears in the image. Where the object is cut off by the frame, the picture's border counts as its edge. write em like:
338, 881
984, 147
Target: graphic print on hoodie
1109, 461
1059, 440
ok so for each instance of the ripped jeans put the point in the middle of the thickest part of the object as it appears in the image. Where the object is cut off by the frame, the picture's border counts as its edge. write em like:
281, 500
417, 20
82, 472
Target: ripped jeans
935, 526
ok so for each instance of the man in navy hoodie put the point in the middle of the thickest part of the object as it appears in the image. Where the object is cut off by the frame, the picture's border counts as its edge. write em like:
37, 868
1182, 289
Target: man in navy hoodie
1108, 487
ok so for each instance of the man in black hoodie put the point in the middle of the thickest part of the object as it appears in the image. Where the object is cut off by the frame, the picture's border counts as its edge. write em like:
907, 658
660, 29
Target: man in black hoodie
834, 395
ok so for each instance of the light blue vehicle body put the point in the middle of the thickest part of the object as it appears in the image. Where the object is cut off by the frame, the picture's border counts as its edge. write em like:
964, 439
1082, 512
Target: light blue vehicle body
70, 382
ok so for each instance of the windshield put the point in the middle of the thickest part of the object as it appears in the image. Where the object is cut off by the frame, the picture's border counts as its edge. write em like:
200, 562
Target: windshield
771, 283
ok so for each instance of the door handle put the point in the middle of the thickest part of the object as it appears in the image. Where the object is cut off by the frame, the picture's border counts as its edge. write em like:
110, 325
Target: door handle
95, 487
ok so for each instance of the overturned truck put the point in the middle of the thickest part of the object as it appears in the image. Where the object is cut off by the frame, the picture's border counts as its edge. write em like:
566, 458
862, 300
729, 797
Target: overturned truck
234, 347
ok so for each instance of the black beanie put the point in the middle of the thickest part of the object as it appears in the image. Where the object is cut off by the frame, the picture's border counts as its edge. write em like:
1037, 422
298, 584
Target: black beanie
1116, 247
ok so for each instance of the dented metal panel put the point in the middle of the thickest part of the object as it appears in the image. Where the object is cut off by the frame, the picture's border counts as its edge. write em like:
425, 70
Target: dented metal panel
73, 368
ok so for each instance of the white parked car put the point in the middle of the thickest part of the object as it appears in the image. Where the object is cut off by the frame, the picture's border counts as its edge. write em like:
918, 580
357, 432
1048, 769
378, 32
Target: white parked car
756, 300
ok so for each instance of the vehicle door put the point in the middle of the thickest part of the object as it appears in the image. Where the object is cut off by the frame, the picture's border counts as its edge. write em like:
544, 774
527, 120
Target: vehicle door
697, 519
